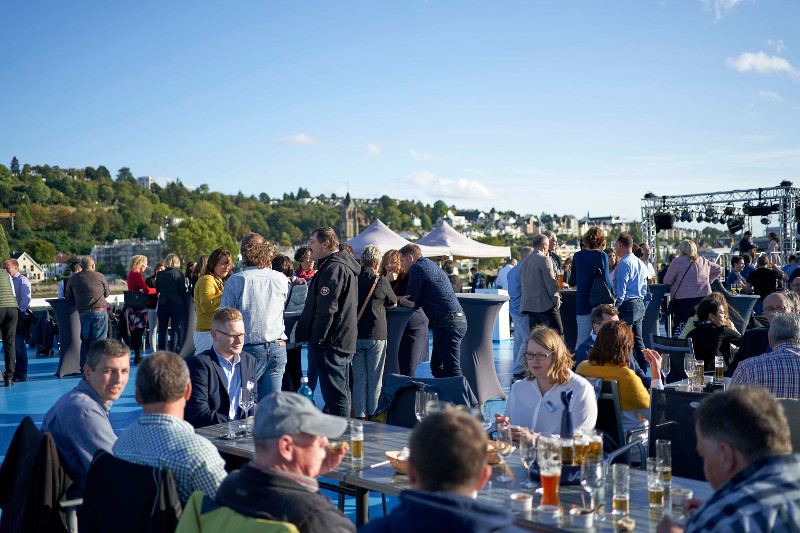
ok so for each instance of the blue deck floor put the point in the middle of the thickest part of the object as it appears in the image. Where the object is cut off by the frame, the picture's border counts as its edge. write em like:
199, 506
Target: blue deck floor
35, 397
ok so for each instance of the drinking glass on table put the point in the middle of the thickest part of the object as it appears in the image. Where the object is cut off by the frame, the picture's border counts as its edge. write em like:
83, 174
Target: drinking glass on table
688, 367
549, 456
486, 419
527, 454
655, 483
247, 400
357, 440
504, 446
593, 476
421, 403
622, 478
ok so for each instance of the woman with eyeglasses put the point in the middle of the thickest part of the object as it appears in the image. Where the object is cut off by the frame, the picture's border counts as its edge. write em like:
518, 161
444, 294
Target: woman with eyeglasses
609, 359
535, 402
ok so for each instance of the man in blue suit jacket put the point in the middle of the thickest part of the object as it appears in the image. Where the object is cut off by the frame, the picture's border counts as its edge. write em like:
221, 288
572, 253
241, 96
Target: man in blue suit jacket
220, 375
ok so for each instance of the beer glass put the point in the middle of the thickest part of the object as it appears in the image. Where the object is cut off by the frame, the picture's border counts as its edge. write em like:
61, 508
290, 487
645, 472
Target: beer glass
357, 440
655, 483
593, 476
581, 449
596, 446
622, 479
688, 367
664, 460
567, 451
700, 380
504, 447
719, 369
421, 400
549, 453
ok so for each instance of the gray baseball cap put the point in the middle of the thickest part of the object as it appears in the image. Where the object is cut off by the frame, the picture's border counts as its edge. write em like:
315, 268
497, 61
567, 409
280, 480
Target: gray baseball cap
287, 413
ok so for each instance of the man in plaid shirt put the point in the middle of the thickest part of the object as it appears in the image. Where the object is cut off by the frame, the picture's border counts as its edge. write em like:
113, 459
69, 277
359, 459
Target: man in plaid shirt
743, 438
161, 437
779, 370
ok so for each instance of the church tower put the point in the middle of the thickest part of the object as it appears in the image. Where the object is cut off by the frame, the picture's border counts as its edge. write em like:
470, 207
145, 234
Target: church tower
348, 219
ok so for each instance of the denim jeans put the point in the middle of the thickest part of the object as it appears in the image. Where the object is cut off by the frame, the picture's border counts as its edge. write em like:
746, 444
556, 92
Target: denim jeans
521, 332
584, 323
94, 327
447, 335
632, 313
169, 314
271, 357
368, 363
333, 368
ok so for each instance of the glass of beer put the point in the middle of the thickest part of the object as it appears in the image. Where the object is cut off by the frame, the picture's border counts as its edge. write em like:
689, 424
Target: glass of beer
688, 367
357, 440
595, 446
567, 451
549, 453
699, 377
719, 369
622, 480
655, 483
581, 449
664, 460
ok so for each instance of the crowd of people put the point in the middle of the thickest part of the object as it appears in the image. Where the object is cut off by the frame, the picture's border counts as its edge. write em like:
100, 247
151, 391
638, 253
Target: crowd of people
242, 350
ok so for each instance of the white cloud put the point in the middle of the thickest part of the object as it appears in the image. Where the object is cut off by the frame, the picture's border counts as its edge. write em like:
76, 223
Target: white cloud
462, 188
421, 157
761, 63
373, 149
770, 95
778, 44
301, 139
721, 7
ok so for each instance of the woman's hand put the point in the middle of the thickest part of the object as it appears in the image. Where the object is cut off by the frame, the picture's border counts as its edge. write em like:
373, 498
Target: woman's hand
391, 276
653, 358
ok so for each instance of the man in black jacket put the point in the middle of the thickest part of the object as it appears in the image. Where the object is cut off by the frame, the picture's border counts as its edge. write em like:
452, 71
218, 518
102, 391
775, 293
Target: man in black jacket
329, 321
755, 340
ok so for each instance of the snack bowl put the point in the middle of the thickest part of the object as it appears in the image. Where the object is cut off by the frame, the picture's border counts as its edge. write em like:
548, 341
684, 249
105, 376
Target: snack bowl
400, 465
582, 517
521, 501
548, 514
678, 495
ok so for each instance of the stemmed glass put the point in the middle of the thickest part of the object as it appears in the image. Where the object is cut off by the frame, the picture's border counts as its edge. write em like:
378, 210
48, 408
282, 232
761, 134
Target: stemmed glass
593, 477
688, 367
665, 365
504, 447
527, 453
247, 400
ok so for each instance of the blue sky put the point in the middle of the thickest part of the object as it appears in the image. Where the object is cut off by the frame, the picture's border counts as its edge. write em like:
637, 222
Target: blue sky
565, 107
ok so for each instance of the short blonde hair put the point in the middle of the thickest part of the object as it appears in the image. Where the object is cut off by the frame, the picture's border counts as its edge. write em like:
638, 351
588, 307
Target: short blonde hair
549, 339
136, 263
226, 315
688, 248
172, 260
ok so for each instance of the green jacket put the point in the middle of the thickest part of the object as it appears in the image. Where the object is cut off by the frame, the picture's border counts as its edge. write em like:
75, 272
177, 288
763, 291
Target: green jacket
204, 515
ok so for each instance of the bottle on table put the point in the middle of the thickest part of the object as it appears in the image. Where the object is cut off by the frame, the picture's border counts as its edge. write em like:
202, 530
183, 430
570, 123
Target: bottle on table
305, 390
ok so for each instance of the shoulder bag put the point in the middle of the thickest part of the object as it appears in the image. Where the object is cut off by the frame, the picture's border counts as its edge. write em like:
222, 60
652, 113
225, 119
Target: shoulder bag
135, 300
366, 302
601, 293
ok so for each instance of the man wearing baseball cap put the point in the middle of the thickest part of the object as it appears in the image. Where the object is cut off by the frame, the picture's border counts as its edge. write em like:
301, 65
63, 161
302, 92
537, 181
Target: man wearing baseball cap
291, 449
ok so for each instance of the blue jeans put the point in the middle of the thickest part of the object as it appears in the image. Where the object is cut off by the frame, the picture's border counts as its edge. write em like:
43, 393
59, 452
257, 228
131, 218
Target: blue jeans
334, 375
271, 358
368, 363
447, 335
94, 327
632, 313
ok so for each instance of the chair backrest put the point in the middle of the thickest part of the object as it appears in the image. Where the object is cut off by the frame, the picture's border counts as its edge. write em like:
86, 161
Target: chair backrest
609, 413
743, 303
676, 349
791, 408
397, 396
651, 314
597, 383
202, 514
134, 498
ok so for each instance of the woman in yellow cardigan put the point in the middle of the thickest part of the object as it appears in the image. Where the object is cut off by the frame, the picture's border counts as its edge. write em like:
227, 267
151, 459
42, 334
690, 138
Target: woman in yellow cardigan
208, 295
609, 359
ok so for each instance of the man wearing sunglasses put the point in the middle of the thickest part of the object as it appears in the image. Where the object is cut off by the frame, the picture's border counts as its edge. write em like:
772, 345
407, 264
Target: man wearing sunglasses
219, 375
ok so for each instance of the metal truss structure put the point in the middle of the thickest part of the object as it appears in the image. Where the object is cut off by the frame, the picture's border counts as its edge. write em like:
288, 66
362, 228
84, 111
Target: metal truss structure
736, 208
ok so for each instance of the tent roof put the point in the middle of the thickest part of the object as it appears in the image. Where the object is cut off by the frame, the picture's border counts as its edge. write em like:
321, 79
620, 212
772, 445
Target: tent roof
457, 245
385, 239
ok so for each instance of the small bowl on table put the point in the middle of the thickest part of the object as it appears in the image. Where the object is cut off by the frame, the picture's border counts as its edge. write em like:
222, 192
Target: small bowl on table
400, 465
581, 517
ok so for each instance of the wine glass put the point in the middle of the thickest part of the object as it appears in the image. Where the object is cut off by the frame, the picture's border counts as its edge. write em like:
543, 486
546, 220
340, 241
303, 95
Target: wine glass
247, 400
592, 477
665, 365
527, 454
689, 367
504, 447
421, 403
485, 417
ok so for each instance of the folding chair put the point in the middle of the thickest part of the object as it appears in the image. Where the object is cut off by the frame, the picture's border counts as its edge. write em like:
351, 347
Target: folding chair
609, 421
676, 349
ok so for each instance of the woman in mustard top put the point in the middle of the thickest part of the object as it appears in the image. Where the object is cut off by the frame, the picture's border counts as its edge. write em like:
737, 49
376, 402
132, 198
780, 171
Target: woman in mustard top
208, 295
609, 359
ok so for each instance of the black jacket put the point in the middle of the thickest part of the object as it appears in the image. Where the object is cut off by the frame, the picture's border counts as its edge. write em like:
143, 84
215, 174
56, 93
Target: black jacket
373, 322
171, 284
709, 340
754, 342
329, 317
263, 494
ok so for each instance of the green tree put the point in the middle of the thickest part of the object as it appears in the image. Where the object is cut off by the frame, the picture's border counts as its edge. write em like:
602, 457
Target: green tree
303, 193
192, 238
14, 165
103, 173
4, 250
125, 174
42, 252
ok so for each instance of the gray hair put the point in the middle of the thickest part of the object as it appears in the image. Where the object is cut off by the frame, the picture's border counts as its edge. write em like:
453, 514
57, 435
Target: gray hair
87, 262
539, 240
785, 328
162, 377
749, 419
106, 348
525, 252
370, 256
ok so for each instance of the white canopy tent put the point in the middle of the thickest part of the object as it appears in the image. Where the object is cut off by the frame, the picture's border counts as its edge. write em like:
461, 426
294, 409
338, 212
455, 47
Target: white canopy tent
385, 239
457, 245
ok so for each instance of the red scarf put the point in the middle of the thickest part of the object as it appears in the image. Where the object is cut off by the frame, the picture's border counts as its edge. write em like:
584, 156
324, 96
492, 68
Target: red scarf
305, 276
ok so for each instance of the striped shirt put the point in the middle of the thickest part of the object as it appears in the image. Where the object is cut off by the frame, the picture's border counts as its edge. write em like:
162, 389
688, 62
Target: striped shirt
168, 442
765, 496
777, 371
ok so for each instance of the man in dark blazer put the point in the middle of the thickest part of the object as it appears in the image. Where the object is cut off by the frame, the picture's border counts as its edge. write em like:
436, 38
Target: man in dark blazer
755, 340
221, 375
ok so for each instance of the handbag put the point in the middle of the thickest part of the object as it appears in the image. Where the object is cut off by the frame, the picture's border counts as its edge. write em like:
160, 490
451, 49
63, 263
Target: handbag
135, 300
600, 293
366, 302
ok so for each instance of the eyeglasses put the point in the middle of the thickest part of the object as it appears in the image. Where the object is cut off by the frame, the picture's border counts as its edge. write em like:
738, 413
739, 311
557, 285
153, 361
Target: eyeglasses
530, 356
775, 310
233, 336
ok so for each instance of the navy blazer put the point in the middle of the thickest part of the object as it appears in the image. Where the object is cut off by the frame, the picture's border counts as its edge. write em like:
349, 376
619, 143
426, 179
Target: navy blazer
209, 403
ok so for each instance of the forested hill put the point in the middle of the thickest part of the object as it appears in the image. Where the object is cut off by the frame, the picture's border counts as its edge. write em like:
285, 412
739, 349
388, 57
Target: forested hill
70, 210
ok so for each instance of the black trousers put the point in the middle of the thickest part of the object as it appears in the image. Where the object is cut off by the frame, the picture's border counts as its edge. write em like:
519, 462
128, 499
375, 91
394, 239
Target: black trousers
8, 328
550, 318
